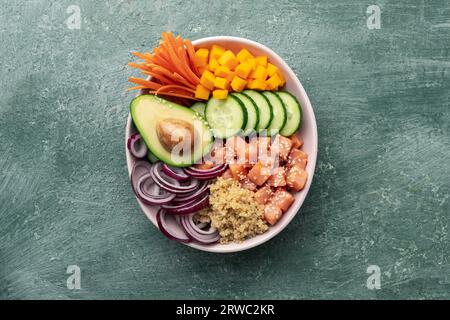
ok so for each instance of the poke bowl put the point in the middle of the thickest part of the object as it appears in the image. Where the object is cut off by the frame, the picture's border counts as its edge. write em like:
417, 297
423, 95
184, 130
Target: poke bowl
208, 184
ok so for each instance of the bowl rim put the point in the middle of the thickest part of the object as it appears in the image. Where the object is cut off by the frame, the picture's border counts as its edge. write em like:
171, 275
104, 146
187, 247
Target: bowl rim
298, 203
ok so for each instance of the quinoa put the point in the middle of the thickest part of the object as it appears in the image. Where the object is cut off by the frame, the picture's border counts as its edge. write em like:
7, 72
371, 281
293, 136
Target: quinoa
234, 212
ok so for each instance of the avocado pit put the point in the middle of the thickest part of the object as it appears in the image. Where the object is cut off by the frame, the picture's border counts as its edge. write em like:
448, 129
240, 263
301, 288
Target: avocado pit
174, 132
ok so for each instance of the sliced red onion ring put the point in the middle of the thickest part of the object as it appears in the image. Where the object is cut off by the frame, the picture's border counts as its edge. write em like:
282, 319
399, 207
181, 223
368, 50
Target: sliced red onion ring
176, 173
149, 198
196, 234
140, 168
169, 227
137, 146
200, 192
206, 174
189, 207
170, 184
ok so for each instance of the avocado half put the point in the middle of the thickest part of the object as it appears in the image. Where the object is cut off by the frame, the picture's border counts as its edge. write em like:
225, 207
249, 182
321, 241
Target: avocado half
147, 111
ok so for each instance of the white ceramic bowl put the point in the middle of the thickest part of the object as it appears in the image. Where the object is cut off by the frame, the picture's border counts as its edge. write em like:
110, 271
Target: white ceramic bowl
308, 133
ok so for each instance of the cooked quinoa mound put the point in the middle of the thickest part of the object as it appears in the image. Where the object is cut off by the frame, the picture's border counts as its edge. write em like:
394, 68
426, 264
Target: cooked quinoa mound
234, 212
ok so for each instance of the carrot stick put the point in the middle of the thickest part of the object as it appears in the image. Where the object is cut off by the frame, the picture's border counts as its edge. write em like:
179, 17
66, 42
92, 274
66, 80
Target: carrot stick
138, 66
183, 81
187, 67
141, 56
146, 83
191, 54
136, 88
170, 94
174, 86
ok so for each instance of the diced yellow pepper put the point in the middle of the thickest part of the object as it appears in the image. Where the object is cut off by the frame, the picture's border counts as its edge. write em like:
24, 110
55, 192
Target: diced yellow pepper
202, 92
229, 59
238, 84
257, 84
273, 82
216, 52
252, 63
220, 94
262, 61
222, 71
207, 80
282, 78
213, 65
244, 55
259, 73
243, 70
201, 57
230, 76
221, 83
271, 69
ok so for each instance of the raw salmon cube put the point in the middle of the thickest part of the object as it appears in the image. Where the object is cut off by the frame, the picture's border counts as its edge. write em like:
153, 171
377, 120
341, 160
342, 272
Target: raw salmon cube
259, 174
227, 174
298, 158
238, 171
278, 177
272, 214
282, 146
296, 178
263, 195
297, 142
205, 165
247, 184
282, 199
237, 147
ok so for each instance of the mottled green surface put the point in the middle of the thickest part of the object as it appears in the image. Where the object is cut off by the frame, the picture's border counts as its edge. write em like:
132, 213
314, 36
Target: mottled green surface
381, 190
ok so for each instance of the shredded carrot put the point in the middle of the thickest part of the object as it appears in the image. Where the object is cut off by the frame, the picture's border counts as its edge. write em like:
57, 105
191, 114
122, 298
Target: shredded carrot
171, 67
136, 88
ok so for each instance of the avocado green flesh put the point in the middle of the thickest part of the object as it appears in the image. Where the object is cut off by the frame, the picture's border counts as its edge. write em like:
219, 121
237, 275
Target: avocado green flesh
148, 110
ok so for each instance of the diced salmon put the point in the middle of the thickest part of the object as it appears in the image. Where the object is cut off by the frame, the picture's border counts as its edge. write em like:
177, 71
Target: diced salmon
298, 158
227, 174
253, 151
259, 174
282, 199
282, 146
296, 178
263, 195
272, 214
238, 171
205, 165
278, 177
249, 185
297, 142
237, 148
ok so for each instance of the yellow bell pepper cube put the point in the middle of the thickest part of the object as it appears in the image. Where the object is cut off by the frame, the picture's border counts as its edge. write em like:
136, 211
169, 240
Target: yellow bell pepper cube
243, 70
282, 78
201, 57
220, 94
262, 61
202, 93
238, 84
221, 83
229, 59
244, 55
259, 73
216, 52
273, 82
207, 80
252, 63
213, 65
271, 69
230, 76
257, 84
222, 71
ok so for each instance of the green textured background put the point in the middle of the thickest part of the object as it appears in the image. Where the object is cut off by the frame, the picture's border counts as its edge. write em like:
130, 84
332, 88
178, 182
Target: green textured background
381, 190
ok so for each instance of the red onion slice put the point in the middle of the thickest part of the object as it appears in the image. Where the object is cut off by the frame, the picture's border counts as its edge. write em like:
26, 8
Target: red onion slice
170, 228
140, 168
176, 173
200, 192
170, 184
137, 146
206, 174
194, 233
148, 198
189, 207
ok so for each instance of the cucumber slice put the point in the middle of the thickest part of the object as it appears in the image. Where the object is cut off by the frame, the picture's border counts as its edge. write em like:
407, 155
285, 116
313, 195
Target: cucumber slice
264, 108
199, 107
279, 113
226, 117
293, 111
252, 113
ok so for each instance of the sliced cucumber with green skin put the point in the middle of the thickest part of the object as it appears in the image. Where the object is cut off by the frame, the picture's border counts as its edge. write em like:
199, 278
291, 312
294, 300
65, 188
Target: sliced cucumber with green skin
252, 113
199, 107
293, 111
264, 108
226, 117
279, 113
